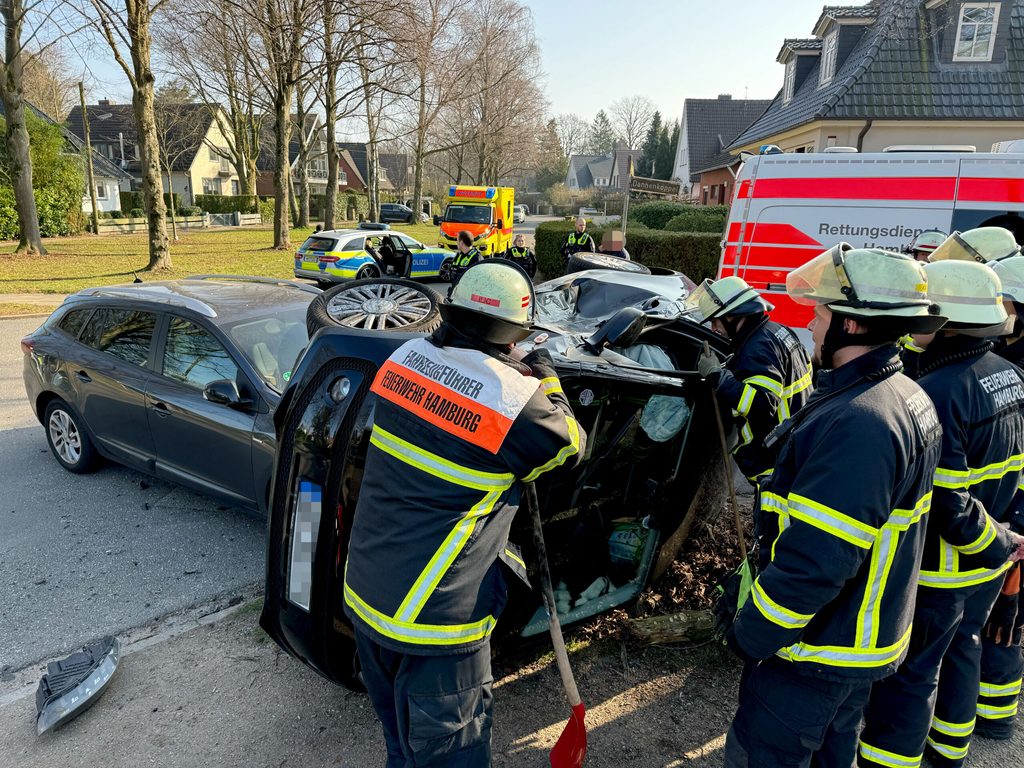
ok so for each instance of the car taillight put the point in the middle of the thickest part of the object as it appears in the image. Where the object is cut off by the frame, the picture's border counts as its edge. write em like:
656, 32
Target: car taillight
27, 345
329, 259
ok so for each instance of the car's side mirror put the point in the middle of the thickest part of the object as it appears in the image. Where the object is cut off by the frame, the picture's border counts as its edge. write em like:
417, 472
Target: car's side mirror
225, 392
437, 220
621, 330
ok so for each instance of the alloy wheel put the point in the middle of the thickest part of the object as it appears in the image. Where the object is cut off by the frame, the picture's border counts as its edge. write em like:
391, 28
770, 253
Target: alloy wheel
64, 435
379, 306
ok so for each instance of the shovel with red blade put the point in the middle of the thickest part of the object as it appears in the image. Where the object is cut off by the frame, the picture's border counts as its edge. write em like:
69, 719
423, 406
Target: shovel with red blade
571, 748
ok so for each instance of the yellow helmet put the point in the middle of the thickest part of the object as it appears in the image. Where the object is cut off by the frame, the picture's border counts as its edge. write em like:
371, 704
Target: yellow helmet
982, 244
1011, 275
968, 294
722, 298
492, 301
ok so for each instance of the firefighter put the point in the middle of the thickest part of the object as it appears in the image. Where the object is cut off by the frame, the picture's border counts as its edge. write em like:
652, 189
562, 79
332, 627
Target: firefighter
982, 244
1011, 275
829, 612
978, 397
924, 243
460, 422
523, 256
466, 255
768, 377
578, 240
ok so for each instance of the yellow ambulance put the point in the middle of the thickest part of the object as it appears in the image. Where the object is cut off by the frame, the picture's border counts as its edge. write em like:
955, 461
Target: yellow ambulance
485, 212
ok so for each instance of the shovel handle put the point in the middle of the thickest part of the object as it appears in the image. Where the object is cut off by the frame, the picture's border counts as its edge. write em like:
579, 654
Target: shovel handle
554, 627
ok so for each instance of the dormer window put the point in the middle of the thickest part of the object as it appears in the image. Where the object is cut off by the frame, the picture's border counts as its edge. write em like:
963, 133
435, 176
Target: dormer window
830, 49
788, 82
975, 36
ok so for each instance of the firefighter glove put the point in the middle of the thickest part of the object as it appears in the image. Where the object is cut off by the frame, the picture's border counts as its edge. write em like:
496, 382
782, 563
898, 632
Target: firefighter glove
1007, 617
540, 363
709, 367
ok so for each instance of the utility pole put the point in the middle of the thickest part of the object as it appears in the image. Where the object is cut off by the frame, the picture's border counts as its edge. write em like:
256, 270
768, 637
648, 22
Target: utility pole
88, 161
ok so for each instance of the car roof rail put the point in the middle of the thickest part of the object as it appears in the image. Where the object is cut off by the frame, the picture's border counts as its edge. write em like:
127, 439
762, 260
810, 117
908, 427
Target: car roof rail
142, 293
255, 279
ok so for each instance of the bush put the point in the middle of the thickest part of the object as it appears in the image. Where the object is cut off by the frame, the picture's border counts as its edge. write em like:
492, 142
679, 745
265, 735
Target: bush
137, 213
172, 197
698, 220
266, 209
116, 214
60, 212
9, 227
130, 200
656, 214
696, 254
225, 203
191, 210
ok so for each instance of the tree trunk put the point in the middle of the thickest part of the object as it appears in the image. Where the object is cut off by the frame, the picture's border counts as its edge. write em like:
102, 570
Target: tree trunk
17, 131
90, 176
282, 166
302, 214
330, 116
170, 196
684, 627
421, 147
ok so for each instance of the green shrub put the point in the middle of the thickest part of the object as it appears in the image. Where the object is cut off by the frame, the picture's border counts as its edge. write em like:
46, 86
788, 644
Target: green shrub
696, 254
656, 214
130, 200
172, 197
191, 210
225, 203
266, 209
698, 220
9, 227
116, 214
60, 211
137, 213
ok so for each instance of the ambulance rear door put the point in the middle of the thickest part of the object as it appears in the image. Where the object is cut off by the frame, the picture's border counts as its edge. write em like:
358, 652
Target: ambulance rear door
990, 193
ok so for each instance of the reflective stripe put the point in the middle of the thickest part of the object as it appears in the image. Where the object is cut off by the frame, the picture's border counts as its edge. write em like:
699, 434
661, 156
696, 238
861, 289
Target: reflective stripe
565, 453
418, 634
797, 386
888, 759
882, 555
766, 382
551, 385
953, 580
513, 556
953, 753
1009, 689
988, 535
437, 466
746, 435
832, 521
776, 613
843, 656
746, 400
953, 729
772, 502
902, 519
960, 478
998, 713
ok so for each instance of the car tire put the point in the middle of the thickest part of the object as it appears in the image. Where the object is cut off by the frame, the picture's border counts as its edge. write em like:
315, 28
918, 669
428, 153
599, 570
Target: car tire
325, 285
367, 272
69, 442
579, 262
664, 271
390, 304
444, 272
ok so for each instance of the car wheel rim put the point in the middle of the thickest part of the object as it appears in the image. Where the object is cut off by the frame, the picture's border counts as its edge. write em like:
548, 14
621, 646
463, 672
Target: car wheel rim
67, 440
445, 273
379, 307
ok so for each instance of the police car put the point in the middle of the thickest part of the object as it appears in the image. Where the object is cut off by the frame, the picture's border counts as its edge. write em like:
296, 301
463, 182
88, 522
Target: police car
336, 255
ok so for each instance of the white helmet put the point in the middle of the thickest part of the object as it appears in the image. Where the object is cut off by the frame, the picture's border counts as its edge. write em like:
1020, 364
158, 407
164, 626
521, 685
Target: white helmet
982, 244
867, 282
492, 301
1011, 275
926, 241
969, 295
730, 296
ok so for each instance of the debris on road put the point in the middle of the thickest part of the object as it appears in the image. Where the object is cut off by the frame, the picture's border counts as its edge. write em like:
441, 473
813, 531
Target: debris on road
72, 685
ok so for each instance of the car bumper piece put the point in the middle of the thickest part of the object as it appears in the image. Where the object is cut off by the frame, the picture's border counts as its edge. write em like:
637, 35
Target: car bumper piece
72, 685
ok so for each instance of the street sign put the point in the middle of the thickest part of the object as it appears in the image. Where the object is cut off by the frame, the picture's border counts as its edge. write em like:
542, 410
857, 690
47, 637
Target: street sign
653, 186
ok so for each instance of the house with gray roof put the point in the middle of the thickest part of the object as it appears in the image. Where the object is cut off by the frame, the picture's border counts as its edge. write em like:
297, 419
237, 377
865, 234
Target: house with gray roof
899, 72
610, 171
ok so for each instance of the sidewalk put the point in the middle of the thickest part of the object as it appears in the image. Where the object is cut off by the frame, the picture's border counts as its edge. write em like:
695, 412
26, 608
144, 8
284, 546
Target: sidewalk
43, 299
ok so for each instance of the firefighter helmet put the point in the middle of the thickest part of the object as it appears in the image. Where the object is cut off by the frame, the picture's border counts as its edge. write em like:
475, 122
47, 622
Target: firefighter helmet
1011, 275
982, 245
728, 297
968, 295
493, 301
926, 241
867, 282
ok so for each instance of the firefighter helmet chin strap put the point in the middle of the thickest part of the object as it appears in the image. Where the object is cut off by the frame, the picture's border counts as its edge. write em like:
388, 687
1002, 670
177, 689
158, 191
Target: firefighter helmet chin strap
837, 337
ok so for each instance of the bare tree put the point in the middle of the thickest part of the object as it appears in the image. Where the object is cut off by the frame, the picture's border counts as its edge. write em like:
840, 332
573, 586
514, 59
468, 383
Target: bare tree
573, 132
181, 128
48, 83
631, 115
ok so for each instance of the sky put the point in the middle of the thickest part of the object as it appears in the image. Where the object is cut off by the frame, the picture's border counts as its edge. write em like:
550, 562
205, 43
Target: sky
596, 51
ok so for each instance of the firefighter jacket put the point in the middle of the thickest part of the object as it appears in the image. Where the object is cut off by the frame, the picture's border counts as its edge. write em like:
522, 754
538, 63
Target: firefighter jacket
849, 495
454, 429
978, 397
464, 261
578, 241
767, 380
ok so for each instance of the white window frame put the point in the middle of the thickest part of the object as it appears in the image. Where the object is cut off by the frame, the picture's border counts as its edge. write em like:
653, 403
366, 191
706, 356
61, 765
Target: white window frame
101, 191
789, 80
342, 177
829, 53
214, 183
994, 7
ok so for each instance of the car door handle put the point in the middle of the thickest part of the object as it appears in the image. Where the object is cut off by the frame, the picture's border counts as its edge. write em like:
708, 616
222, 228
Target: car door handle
83, 376
161, 409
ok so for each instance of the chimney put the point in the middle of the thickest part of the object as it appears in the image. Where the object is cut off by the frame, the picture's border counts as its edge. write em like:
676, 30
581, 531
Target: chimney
725, 97
104, 102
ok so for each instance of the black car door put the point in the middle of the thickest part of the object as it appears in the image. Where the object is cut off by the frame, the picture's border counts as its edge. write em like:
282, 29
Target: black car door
110, 369
202, 444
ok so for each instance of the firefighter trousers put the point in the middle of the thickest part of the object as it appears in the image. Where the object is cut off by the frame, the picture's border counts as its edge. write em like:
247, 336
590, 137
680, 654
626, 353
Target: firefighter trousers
793, 719
1001, 671
435, 710
932, 697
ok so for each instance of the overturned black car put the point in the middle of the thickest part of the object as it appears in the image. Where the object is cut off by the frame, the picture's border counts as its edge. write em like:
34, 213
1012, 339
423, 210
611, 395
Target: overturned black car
626, 355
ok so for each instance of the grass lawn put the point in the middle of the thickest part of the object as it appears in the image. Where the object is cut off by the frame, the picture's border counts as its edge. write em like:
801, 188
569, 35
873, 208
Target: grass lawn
11, 308
79, 262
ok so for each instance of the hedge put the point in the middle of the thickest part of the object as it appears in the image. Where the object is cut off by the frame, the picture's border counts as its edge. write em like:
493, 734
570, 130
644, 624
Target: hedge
131, 200
696, 254
225, 203
657, 214
698, 219
60, 213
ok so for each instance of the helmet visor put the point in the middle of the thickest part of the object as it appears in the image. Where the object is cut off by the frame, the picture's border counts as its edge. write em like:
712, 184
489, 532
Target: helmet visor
879, 282
703, 303
955, 248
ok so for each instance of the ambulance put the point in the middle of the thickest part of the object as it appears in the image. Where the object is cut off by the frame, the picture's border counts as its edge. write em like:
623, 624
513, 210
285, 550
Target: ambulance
485, 212
788, 208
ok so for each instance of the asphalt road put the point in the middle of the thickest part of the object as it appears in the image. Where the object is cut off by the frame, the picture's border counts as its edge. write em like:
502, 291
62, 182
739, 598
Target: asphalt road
86, 555
529, 227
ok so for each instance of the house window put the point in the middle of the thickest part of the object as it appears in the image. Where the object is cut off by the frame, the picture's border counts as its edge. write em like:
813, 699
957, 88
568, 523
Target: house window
101, 191
789, 81
976, 35
828, 57
342, 177
235, 188
214, 154
211, 186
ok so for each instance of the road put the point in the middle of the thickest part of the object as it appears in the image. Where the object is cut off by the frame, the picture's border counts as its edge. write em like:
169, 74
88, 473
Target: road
86, 555
529, 227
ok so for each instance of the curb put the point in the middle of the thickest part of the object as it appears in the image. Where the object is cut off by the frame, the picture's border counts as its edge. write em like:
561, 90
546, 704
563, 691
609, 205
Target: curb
25, 317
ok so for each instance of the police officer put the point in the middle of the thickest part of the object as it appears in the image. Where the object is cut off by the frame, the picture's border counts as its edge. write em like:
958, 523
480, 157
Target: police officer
924, 243
829, 612
466, 255
523, 256
577, 241
768, 377
968, 550
457, 424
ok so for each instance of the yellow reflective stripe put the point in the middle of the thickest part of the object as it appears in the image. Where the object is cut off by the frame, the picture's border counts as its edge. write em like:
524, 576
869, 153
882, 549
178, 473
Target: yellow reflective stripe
565, 453
889, 759
418, 634
513, 556
437, 466
882, 555
954, 729
797, 386
1008, 689
551, 385
772, 502
953, 753
746, 435
845, 656
832, 521
955, 579
443, 558
776, 613
765, 382
998, 713
746, 400
964, 478
988, 535
902, 519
